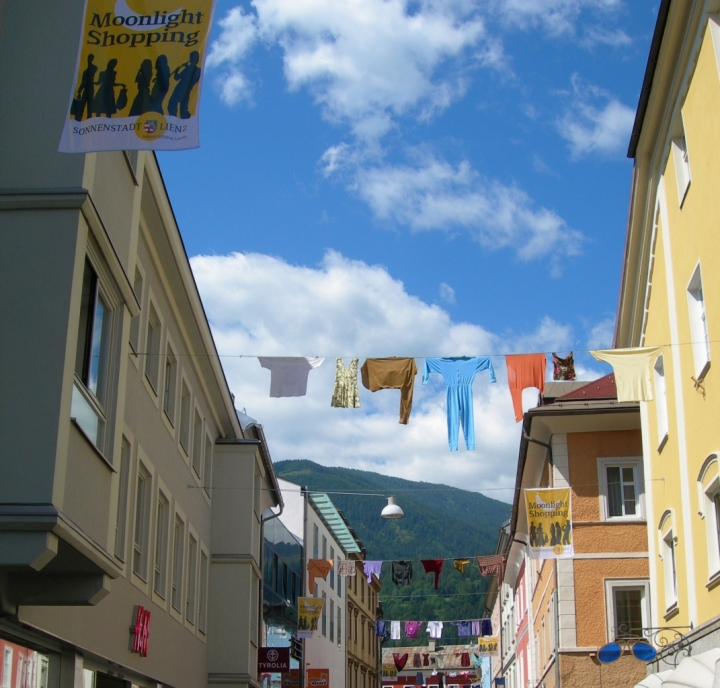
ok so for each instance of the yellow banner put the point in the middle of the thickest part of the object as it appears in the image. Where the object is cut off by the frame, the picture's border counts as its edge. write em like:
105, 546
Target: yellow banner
549, 523
309, 610
488, 646
389, 671
138, 76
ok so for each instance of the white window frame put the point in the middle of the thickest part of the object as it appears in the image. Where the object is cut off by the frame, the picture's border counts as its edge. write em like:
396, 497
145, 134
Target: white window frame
612, 584
152, 348
121, 513
708, 485
177, 575
208, 465
661, 405
141, 522
184, 426
92, 410
668, 554
162, 532
170, 377
198, 444
136, 321
682, 166
191, 595
203, 581
637, 463
7, 667
699, 333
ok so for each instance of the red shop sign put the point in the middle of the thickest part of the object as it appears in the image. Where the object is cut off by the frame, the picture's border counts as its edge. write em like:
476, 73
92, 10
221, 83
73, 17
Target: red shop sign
140, 631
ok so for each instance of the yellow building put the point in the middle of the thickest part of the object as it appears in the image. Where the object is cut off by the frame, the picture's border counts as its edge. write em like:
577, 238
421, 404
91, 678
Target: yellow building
670, 295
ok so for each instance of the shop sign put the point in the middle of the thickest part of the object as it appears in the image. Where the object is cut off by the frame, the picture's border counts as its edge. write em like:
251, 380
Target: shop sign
273, 659
140, 631
291, 679
318, 678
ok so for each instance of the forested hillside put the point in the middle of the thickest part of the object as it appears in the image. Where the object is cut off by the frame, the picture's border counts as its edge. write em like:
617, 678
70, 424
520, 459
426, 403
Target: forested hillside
440, 522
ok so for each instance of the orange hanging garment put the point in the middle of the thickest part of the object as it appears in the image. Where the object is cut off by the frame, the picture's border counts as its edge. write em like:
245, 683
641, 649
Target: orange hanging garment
524, 370
317, 568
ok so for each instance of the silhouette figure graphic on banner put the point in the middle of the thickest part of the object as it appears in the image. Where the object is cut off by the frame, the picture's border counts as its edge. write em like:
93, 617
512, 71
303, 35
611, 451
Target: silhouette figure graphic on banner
187, 75
143, 79
105, 102
160, 84
86, 92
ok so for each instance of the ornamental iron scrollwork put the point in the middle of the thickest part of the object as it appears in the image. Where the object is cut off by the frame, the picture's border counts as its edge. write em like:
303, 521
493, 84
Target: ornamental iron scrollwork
672, 644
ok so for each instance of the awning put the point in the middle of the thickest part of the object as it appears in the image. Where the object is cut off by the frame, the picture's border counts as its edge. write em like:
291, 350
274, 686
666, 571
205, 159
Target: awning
694, 672
654, 680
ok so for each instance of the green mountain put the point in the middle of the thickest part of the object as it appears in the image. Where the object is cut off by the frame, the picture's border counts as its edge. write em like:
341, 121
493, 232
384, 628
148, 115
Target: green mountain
440, 522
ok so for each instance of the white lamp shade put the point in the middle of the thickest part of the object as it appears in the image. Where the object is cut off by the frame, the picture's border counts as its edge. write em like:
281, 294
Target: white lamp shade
392, 510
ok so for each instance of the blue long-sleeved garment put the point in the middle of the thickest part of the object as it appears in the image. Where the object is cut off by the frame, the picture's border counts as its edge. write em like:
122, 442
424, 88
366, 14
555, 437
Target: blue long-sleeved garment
459, 374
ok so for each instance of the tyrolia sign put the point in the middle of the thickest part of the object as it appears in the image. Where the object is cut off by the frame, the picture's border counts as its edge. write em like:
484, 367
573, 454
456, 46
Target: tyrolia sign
273, 659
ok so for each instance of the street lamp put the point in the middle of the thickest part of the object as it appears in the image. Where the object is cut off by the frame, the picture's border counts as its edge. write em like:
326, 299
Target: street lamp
392, 510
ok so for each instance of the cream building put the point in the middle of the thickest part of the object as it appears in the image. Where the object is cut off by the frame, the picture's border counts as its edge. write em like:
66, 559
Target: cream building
120, 563
670, 297
363, 646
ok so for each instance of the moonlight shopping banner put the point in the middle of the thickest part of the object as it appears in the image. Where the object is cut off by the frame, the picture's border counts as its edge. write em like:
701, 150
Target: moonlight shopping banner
138, 76
549, 523
309, 610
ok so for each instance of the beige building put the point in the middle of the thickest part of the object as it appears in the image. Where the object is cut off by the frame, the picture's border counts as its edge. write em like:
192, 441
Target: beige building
363, 654
557, 614
120, 563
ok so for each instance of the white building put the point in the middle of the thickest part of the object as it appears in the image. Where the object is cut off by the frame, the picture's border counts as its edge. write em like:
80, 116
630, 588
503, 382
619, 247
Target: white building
325, 535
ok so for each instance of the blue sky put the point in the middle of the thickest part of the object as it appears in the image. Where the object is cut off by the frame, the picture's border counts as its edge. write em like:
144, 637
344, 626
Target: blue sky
379, 177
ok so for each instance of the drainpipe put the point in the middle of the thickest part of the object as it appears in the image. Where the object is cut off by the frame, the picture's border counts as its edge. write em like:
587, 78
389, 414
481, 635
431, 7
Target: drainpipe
306, 497
542, 444
556, 610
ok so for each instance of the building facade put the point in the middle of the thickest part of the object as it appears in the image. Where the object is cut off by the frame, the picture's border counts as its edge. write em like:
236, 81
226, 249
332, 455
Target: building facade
363, 646
670, 297
120, 564
557, 614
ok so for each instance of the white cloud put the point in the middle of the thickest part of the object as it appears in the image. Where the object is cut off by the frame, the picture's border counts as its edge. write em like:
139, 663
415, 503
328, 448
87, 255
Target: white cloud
366, 62
555, 17
433, 194
237, 36
260, 305
595, 122
447, 293
602, 334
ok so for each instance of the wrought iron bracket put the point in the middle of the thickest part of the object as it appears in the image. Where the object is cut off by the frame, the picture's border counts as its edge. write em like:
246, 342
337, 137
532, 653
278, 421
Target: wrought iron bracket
672, 643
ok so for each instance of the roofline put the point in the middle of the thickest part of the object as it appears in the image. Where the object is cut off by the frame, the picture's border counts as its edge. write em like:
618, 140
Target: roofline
524, 442
649, 76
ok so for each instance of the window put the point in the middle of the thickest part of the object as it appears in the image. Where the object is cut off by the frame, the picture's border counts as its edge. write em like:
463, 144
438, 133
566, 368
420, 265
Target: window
324, 615
142, 522
202, 601
91, 359
152, 348
324, 547
698, 324
332, 570
362, 633
207, 478
7, 667
682, 166
169, 391
315, 541
339, 627
661, 408
178, 556
622, 490
669, 569
185, 418
135, 322
339, 579
255, 594
191, 579
121, 519
332, 621
627, 604
161, 544
197, 445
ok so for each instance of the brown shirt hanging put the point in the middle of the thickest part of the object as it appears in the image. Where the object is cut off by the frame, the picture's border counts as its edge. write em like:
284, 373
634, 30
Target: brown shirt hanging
392, 373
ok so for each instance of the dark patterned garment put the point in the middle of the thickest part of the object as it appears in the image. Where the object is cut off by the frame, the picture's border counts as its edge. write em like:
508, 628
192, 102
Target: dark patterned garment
402, 572
563, 368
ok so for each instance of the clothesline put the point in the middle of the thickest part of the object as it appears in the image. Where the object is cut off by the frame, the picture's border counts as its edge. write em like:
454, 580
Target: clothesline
351, 356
